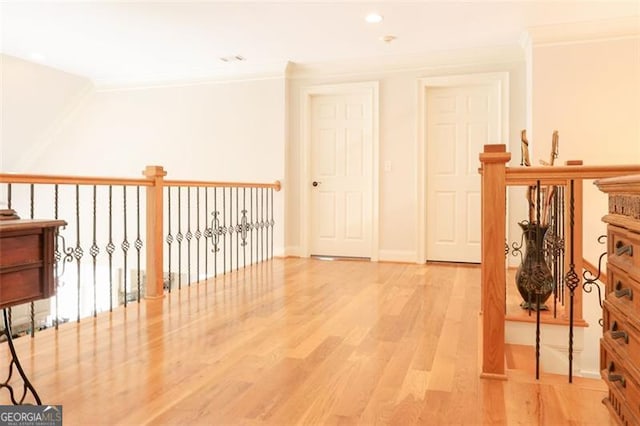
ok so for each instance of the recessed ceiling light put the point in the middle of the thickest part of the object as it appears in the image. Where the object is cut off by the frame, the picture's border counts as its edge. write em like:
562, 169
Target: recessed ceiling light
373, 18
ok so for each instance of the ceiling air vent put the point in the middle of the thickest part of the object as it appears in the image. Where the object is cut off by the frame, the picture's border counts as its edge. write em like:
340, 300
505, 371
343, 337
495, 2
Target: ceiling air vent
232, 58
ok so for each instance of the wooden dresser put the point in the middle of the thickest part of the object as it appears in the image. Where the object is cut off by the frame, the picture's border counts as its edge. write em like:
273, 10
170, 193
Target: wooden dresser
620, 343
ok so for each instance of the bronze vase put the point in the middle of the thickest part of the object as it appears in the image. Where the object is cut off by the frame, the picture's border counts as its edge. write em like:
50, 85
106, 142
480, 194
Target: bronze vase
534, 277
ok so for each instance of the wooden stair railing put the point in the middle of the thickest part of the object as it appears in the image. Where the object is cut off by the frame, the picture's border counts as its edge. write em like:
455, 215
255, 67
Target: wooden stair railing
495, 177
154, 184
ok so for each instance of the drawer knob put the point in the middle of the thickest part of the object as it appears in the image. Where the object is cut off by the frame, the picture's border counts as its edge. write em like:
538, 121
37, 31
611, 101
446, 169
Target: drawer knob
615, 377
621, 249
618, 334
622, 292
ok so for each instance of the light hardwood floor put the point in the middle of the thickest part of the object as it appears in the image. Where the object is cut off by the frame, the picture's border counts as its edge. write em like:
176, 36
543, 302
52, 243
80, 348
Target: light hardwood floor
297, 341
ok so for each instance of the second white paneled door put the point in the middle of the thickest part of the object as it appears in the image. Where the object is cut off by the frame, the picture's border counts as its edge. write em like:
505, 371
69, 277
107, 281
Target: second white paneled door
341, 142
459, 121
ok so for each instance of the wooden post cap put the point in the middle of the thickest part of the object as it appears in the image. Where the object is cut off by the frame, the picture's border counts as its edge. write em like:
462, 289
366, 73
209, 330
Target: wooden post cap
154, 171
495, 148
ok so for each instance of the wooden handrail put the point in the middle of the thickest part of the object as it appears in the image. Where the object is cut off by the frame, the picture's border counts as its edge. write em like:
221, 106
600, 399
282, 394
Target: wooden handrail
102, 180
71, 180
276, 185
558, 175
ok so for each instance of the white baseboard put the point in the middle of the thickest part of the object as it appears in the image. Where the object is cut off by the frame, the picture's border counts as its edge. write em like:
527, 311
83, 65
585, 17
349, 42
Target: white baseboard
589, 374
406, 256
293, 251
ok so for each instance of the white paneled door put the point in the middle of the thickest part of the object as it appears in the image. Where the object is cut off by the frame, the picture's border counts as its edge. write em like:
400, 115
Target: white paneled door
341, 175
460, 120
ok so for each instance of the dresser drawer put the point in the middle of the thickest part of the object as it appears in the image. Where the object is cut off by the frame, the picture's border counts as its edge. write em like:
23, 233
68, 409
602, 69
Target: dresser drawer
623, 387
623, 290
20, 249
621, 335
624, 249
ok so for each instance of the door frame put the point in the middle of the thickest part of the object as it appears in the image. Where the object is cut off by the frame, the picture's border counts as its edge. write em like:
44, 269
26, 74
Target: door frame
499, 79
369, 88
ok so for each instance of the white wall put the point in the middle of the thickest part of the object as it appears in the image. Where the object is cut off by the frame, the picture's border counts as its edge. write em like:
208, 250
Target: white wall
399, 92
217, 131
34, 103
590, 92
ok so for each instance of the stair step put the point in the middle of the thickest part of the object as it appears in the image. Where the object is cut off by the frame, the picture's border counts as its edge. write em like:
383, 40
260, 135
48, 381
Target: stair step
520, 357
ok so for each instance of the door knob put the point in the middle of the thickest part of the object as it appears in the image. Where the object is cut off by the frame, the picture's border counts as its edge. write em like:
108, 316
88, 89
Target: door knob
315, 183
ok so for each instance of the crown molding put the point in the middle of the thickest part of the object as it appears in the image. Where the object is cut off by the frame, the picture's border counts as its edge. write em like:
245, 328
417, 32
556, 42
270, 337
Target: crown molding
256, 73
583, 32
406, 63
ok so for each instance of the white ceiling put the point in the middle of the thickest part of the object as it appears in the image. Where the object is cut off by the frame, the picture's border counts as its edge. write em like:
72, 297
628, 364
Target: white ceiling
133, 42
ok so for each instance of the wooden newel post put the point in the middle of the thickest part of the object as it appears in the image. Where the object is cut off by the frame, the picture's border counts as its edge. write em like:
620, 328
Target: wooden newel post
493, 268
155, 223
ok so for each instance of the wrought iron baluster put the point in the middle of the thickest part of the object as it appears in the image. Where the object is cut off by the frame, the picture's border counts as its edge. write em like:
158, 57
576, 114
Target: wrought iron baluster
562, 225
198, 234
206, 234
224, 228
57, 255
77, 253
169, 238
245, 226
32, 308
62, 253
261, 224
138, 243
111, 248
125, 245
188, 235
554, 253
179, 237
537, 336
257, 226
273, 222
572, 280
214, 229
266, 223
230, 229
238, 230
538, 238
94, 251
251, 226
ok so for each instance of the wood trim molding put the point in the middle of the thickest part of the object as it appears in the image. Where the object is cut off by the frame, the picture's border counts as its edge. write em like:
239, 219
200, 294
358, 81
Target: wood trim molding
445, 60
582, 32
